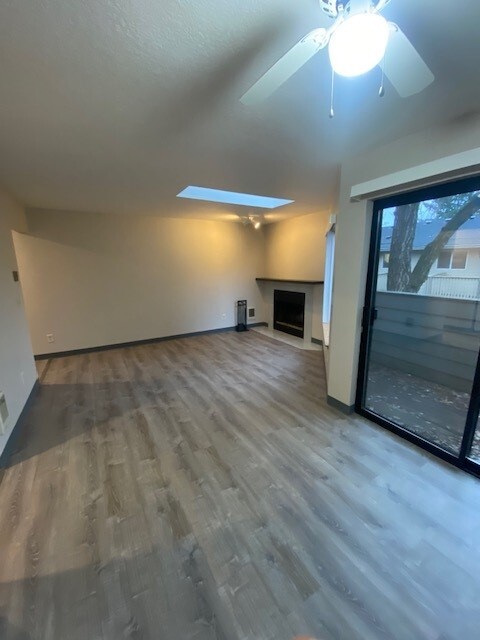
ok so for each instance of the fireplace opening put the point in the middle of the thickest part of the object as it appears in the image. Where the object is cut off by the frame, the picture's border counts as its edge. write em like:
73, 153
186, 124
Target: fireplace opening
289, 312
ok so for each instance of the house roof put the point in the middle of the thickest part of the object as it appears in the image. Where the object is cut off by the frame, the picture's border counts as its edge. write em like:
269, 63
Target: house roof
468, 237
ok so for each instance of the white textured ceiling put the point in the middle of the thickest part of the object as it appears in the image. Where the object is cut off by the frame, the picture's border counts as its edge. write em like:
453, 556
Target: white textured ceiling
116, 105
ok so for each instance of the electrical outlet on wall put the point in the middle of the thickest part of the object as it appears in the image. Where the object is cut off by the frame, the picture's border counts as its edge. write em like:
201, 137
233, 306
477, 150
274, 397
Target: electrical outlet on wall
50, 337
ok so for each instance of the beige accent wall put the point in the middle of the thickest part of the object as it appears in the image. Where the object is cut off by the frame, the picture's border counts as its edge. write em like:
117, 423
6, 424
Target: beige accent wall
96, 279
17, 367
295, 250
352, 237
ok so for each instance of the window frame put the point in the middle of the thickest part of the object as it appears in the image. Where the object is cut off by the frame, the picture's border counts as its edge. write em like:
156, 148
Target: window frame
451, 255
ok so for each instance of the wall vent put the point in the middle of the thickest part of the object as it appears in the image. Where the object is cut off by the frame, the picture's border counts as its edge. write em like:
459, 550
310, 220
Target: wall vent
251, 312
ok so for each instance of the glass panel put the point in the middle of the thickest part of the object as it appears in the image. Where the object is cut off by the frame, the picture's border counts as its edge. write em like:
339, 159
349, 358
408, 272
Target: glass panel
459, 259
444, 260
475, 450
328, 285
426, 336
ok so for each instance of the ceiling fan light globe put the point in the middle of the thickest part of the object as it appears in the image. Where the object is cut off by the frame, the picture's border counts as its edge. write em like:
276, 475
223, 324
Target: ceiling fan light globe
358, 44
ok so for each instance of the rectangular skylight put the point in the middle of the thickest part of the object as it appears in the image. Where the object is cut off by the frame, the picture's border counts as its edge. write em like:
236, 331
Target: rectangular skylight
231, 197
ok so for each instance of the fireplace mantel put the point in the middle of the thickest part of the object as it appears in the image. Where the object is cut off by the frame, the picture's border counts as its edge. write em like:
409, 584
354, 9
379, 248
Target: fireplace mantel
312, 282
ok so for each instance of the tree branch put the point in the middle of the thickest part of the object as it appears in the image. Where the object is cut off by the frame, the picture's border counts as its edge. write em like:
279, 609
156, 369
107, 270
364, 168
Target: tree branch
432, 250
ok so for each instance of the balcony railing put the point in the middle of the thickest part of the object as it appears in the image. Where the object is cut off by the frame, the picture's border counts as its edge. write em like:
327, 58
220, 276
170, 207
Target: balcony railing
443, 287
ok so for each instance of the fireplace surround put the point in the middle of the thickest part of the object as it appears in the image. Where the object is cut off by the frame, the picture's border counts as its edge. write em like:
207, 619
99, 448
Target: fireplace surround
312, 290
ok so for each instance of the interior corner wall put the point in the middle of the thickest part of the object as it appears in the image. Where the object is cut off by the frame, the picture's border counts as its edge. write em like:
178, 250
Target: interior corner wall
295, 250
98, 279
353, 232
17, 367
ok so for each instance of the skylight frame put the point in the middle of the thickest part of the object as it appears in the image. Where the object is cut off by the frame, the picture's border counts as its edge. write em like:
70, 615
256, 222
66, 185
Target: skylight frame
220, 196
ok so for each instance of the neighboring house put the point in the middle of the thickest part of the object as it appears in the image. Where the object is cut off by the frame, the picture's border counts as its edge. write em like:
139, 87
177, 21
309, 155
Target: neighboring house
456, 272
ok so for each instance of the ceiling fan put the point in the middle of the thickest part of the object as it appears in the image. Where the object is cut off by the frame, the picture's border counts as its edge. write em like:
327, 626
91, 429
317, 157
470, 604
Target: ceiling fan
357, 42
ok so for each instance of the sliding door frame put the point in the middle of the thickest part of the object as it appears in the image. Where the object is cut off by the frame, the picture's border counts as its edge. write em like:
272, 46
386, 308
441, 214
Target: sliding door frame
368, 319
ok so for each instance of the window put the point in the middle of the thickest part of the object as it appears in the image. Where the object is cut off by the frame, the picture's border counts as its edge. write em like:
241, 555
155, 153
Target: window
385, 260
444, 259
328, 286
459, 259
456, 259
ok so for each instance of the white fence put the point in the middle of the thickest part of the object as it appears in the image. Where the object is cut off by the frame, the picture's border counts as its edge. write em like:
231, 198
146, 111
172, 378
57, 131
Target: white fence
443, 287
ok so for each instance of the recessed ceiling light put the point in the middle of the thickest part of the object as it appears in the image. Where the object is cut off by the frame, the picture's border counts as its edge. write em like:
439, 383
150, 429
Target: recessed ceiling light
231, 197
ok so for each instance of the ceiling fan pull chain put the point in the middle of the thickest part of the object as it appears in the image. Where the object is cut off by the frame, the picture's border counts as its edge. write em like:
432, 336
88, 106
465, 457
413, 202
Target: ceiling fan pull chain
332, 112
381, 91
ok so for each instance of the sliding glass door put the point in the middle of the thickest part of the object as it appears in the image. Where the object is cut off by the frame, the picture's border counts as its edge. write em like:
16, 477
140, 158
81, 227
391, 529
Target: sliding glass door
419, 372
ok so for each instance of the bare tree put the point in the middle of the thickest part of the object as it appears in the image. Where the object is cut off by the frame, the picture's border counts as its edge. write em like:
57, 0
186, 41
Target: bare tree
403, 235
455, 210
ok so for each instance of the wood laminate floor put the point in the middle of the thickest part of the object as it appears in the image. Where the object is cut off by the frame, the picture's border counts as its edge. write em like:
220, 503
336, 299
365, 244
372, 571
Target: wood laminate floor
201, 489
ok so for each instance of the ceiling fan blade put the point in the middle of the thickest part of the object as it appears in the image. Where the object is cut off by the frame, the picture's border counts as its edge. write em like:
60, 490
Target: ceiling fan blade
381, 4
404, 66
282, 70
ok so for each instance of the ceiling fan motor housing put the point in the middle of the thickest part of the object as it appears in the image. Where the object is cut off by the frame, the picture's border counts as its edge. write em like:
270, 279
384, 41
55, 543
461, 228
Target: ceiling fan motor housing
334, 8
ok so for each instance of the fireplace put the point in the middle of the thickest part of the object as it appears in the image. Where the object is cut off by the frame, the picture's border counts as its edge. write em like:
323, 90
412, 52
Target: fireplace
289, 312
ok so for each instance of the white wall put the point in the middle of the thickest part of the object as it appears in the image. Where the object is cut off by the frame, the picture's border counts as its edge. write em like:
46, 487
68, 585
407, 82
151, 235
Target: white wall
353, 229
295, 248
17, 367
96, 279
